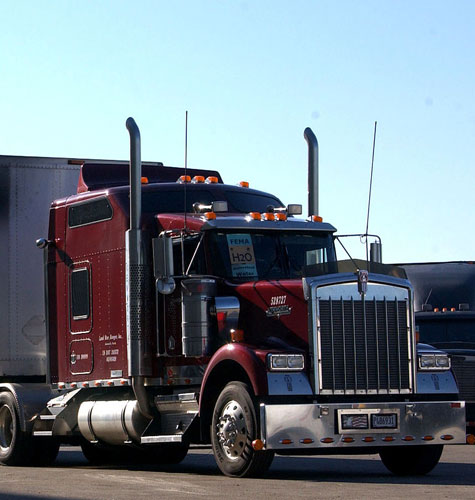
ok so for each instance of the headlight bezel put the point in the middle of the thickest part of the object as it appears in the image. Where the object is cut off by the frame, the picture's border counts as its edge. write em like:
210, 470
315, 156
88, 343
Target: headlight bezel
434, 362
285, 362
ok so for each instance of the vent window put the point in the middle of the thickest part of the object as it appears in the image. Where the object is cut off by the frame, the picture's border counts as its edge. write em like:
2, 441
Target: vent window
80, 307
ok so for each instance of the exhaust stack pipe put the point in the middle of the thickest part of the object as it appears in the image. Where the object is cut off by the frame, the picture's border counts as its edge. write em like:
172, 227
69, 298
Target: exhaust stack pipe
135, 273
312, 171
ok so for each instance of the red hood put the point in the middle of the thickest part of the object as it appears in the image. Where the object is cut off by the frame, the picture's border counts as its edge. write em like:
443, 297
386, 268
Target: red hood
274, 313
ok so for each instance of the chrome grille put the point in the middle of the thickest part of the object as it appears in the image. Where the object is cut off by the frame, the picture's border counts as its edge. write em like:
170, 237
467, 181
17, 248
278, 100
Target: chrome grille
363, 344
464, 368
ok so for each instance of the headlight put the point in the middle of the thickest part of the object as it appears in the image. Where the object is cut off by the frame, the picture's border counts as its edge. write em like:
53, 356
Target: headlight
431, 362
285, 362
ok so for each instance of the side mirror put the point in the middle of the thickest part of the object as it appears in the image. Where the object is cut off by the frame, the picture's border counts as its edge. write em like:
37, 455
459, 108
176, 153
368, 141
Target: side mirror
163, 264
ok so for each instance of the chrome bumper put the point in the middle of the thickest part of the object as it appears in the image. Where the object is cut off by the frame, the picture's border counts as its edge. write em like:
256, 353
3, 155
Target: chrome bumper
307, 426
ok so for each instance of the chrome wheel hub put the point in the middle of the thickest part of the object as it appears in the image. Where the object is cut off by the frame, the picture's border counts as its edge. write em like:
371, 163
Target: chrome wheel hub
231, 430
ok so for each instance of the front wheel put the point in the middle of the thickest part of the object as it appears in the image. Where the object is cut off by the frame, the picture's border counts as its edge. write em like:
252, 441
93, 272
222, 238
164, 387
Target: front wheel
233, 428
411, 460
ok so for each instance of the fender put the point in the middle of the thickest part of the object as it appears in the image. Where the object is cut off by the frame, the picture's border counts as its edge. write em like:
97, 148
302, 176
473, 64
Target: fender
247, 359
30, 400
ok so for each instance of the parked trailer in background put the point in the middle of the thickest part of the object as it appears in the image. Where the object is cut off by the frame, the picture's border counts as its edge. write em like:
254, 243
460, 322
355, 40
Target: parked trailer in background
445, 316
181, 310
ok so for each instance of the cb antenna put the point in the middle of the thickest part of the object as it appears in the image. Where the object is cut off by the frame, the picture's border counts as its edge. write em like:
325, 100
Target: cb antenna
186, 164
370, 186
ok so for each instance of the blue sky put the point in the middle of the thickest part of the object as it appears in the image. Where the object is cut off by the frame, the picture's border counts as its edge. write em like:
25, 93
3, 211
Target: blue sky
253, 75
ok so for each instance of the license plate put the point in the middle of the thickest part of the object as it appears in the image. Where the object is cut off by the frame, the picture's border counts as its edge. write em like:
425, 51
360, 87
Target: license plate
384, 421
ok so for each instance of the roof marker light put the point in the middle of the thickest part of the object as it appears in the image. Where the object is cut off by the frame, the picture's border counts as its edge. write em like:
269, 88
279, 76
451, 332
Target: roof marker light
316, 218
144, 180
428, 438
388, 439
244, 184
408, 438
210, 215
280, 216
197, 179
268, 216
183, 178
348, 439
211, 180
327, 440
255, 215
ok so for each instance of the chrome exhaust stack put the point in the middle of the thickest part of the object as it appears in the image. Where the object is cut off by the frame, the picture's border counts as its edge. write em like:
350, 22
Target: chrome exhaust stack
135, 275
312, 171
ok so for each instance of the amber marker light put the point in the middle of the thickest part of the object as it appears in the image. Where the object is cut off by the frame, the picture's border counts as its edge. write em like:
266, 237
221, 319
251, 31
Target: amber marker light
306, 441
237, 335
348, 440
73, 385
388, 439
327, 440
316, 218
85, 384
184, 178
211, 180
197, 179
258, 445
144, 180
286, 441
447, 437
268, 216
210, 215
97, 383
470, 439
280, 216
368, 439
61, 385
408, 438
428, 438
255, 215
244, 184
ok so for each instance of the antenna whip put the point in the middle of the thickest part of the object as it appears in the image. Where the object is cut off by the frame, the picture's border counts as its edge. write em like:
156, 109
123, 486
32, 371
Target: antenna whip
370, 186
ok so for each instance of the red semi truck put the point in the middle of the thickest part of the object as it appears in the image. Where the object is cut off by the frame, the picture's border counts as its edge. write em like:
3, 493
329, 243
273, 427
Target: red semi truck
180, 310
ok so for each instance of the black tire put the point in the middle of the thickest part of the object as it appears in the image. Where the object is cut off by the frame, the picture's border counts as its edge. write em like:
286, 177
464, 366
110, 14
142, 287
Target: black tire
44, 451
233, 428
98, 454
411, 460
166, 453
14, 443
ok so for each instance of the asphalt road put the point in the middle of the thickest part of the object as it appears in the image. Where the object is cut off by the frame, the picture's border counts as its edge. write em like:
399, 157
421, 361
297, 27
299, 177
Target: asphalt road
351, 477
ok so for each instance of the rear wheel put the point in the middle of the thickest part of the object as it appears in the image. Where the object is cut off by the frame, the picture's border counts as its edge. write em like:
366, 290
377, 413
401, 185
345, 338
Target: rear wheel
233, 428
14, 443
411, 460
44, 450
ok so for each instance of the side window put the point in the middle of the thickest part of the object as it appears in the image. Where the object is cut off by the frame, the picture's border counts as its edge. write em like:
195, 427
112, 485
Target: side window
80, 307
89, 212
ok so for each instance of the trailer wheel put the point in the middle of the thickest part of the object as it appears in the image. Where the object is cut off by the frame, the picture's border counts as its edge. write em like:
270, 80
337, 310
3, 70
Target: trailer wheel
14, 449
411, 460
234, 426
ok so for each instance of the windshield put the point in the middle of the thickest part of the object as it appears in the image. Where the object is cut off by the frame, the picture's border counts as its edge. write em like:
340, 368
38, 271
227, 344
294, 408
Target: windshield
442, 331
268, 254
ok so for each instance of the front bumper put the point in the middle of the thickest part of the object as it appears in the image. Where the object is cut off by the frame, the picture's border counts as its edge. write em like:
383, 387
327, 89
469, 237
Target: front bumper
302, 427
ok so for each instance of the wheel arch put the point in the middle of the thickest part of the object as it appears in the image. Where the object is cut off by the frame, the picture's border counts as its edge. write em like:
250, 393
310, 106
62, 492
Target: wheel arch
229, 365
